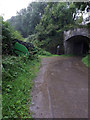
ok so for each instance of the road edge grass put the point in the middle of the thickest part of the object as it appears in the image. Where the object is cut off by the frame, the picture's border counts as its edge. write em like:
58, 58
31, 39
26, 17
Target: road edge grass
55, 55
86, 60
17, 93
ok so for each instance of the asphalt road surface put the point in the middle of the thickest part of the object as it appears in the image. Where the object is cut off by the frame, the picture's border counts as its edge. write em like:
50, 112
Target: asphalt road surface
61, 89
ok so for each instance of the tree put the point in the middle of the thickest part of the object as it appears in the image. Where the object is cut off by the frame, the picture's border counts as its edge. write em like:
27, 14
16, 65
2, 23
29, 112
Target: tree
81, 5
26, 19
53, 22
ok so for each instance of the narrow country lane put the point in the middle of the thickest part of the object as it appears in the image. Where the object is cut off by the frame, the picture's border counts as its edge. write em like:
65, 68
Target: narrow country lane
61, 89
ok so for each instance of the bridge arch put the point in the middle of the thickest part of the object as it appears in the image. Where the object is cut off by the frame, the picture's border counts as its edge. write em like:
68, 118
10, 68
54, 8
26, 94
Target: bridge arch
76, 42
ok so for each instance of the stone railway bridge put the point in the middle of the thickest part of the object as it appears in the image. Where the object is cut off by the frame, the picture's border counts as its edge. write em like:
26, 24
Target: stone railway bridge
77, 41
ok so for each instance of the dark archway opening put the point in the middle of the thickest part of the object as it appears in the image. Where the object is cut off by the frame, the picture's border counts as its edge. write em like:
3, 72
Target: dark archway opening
78, 45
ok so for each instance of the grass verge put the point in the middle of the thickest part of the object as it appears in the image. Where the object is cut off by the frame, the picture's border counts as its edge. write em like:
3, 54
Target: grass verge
52, 55
86, 60
17, 82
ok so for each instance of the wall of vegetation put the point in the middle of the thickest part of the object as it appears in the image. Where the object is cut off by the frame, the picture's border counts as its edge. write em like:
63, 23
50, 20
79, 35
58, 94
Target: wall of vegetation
18, 73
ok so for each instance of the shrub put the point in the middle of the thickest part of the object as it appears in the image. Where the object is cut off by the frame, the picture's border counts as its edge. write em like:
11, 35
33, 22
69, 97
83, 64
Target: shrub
8, 34
6, 38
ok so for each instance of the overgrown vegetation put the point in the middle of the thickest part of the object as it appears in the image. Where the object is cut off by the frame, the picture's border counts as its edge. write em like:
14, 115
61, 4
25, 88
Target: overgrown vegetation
8, 34
86, 60
56, 17
43, 25
18, 73
28, 18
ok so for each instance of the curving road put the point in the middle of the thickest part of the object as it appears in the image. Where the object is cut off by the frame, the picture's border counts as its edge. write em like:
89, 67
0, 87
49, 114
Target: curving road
61, 89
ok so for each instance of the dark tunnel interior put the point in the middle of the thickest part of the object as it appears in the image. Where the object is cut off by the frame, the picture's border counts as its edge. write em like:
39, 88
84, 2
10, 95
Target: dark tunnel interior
78, 45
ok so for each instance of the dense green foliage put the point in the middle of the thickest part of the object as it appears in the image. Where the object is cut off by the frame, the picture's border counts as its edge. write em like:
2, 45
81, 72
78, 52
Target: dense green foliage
8, 34
44, 23
57, 18
86, 60
17, 75
81, 5
27, 19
